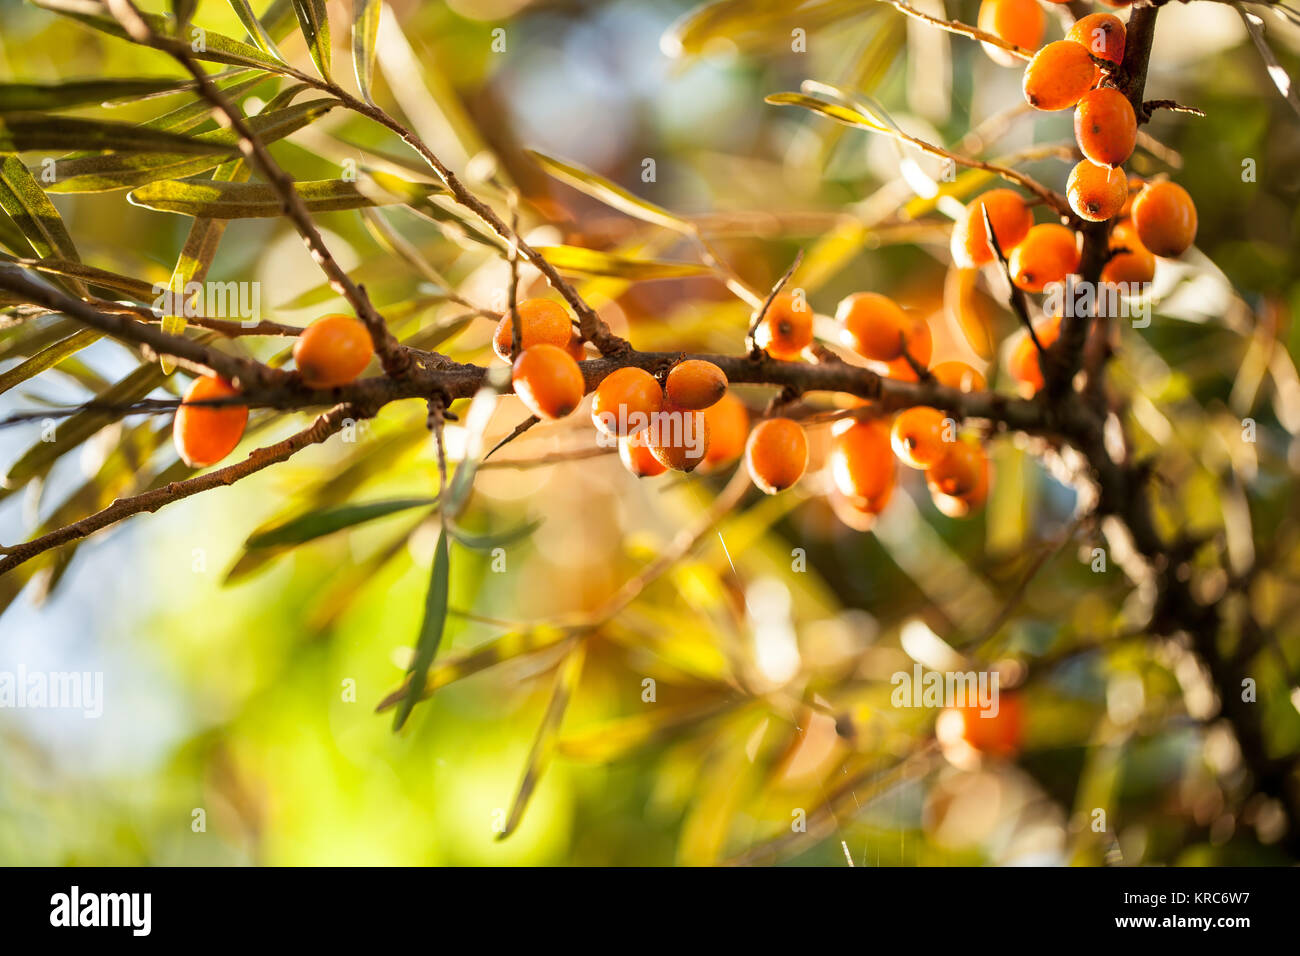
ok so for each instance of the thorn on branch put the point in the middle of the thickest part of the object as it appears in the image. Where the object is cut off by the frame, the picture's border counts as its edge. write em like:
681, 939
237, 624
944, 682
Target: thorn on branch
1150, 106
771, 297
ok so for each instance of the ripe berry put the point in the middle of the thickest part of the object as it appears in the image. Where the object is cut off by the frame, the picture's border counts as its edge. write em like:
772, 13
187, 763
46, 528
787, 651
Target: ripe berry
576, 348
332, 351
678, 439
1135, 187
776, 454
1097, 193
1021, 22
997, 734
1105, 126
959, 481
548, 381
206, 434
1011, 219
876, 327
728, 428
861, 462
1102, 34
626, 401
1136, 265
1165, 218
919, 346
786, 329
1023, 364
920, 436
541, 321
695, 384
1048, 254
637, 457
960, 376
1059, 75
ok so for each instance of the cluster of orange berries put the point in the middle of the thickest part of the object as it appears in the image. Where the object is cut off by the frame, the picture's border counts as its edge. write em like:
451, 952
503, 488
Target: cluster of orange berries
330, 352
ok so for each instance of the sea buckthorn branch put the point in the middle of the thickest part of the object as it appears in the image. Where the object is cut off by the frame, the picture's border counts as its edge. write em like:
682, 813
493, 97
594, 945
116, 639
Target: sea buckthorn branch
961, 29
324, 426
390, 352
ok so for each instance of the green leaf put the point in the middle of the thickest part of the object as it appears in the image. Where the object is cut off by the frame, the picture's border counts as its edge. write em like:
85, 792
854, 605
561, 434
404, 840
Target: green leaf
31, 210
431, 630
585, 181
576, 260
365, 34
499, 539
72, 431
309, 527
315, 24
233, 85
836, 111
256, 31
21, 132
258, 201
131, 288
48, 358
215, 48
31, 97
539, 758
101, 173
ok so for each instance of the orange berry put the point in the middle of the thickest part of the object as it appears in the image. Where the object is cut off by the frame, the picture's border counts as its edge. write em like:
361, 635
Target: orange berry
695, 384
1097, 193
728, 428
678, 438
541, 322
858, 514
1048, 254
1021, 22
874, 325
576, 348
637, 457
1136, 266
332, 351
998, 734
1011, 219
206, 434
861, 461
626, 401
1102, 34
1165, 218
776, 454
548, 381
786, 329
961, 471
1059, 75
1105, 126
920, 436
1135, 187
1023, 364
960, 376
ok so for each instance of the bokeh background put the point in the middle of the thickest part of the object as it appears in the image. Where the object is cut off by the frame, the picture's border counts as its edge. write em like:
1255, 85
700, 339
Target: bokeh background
247, 687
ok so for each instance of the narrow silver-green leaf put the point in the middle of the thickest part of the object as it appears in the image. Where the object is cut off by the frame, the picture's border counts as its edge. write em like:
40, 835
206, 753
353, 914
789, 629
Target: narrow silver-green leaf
101, 173
431, 629
598, 187
318, 524
315, 23
835, 111
256, 200
31, 210
20, 132
498, 539
576, 260
365, 35
31, 97
256, 31
48, 358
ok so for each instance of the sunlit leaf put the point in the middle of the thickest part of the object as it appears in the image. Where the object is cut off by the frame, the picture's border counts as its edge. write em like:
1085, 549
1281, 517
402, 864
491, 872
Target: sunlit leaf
499, 539
836, 111
48, 358
31, 210
259, 201
365, 34
23, 97
256, 31
596, 186
575, 260
314, 20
